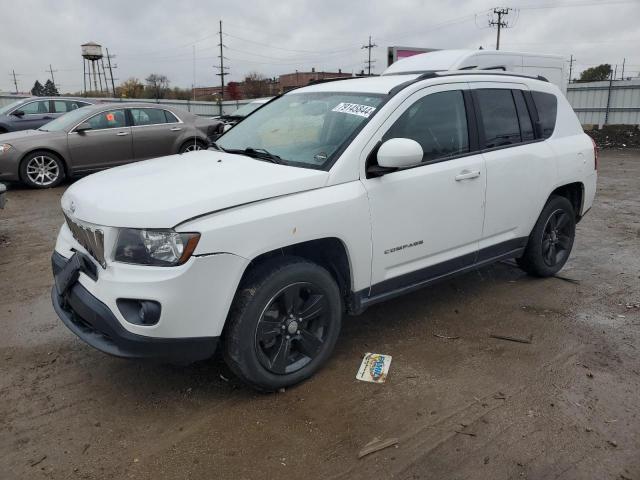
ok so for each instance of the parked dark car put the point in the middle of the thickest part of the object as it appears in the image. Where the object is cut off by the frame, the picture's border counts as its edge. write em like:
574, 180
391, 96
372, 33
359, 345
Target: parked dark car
98, 137
34, 112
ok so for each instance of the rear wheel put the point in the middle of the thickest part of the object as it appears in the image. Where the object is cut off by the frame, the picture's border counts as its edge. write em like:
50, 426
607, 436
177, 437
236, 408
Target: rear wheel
42, 170
192, 146
284, 323
551, 240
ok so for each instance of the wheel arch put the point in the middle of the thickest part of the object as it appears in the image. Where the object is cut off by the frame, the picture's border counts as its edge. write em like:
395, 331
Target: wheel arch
329, 252
574, 192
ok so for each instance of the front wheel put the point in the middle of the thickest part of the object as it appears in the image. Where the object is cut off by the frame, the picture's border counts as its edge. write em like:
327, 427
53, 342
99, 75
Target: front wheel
284, 323
42, 170
551, 240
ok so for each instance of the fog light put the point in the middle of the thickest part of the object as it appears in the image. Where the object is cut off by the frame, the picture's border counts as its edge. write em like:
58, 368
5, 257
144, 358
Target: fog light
139, 312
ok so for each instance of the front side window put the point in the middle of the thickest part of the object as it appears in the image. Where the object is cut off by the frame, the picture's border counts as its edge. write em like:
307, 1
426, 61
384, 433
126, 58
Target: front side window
499, 117
35, 108
547, 106
303, 129
147, 116
438, 122
108, 119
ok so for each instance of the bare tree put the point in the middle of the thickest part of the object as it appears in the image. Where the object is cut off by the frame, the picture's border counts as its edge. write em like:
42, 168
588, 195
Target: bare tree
157, 85
131, 88
256, 85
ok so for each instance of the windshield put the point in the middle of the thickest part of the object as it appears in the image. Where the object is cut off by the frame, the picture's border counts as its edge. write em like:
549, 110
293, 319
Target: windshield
303, 129
7, 108
65, 122
245, 110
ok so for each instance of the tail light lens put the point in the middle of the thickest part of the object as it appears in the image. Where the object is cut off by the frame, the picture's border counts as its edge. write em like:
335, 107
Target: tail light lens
595, 154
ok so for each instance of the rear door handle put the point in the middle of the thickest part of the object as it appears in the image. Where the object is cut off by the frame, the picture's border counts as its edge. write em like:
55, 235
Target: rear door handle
176, 129
467, 175
122, 134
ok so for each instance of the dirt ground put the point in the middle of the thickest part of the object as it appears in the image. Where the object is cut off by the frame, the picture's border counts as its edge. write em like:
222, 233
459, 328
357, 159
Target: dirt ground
565, 406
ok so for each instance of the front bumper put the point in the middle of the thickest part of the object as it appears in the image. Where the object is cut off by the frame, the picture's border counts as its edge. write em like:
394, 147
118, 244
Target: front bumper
95, 324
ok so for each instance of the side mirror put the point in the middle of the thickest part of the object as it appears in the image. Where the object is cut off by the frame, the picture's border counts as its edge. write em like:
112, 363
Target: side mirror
83, 127
400, 153
18, 113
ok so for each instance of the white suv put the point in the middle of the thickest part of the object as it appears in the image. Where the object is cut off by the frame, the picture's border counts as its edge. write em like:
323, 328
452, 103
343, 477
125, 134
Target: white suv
322, 202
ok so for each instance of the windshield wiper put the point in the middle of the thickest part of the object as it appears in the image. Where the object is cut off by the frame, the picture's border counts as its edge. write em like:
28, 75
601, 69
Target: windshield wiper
259, 153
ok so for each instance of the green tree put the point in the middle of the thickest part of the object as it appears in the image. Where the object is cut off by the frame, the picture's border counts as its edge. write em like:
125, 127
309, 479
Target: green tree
50, 89
595, 74
37, 90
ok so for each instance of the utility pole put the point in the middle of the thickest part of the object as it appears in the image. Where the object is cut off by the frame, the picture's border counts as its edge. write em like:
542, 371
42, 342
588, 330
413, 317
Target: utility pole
623, 62
369, 62
500, 12
15, 81
571, 67
51, 71
221, 68
110, 67
193, 85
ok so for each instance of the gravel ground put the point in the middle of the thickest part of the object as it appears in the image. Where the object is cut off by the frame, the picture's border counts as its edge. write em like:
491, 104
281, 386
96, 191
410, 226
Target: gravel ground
469, 406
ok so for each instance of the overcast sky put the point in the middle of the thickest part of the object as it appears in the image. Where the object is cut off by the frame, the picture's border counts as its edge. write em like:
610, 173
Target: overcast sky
277, 37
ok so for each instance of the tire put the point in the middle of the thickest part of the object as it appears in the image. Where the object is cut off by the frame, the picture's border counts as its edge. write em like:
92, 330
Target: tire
192, 146
269, 349
42, 169
551, 240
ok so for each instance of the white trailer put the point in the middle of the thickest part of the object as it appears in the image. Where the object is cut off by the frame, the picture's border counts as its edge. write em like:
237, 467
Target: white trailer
552, 67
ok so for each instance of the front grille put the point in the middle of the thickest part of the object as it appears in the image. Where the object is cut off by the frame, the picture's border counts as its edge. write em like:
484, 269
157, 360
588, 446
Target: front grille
91, 239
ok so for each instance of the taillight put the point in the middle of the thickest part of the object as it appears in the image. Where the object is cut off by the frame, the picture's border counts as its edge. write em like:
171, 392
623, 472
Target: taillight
595, 154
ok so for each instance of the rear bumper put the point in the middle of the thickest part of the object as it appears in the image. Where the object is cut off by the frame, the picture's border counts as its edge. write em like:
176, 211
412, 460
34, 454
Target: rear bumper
94, 323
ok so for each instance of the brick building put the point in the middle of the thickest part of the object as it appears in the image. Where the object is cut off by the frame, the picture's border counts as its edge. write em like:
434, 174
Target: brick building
289, 81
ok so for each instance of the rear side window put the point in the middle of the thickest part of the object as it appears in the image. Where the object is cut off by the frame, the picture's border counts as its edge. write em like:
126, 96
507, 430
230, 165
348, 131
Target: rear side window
147, 116
499, 117
526, 127
438, 122
171, 118
63, 106
547, 106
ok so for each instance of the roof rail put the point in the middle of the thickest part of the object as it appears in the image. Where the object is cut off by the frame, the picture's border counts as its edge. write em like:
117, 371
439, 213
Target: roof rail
332, 79
424, 74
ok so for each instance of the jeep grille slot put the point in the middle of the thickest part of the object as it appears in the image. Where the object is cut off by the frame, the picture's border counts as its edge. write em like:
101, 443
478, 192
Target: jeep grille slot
92, 240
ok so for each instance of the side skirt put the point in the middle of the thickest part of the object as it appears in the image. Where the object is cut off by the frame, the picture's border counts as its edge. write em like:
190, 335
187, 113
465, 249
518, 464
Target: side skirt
391, 288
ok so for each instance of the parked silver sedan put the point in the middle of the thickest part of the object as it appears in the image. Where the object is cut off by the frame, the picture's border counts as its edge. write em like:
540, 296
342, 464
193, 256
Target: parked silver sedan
98, 137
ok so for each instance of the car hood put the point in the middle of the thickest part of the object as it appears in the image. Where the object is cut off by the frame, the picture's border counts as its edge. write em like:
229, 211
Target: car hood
25, 135
164, 192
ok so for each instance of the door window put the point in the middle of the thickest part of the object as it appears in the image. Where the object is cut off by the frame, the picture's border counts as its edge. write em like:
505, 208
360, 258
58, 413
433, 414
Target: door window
499, 117
108, 119
147, 116
438, 122
63, 106
35, 108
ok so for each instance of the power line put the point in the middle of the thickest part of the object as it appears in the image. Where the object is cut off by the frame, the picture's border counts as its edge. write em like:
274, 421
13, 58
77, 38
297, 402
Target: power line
369, 46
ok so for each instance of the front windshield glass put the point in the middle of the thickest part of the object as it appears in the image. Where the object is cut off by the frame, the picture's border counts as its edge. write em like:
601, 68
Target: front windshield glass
7, 108
303, 129
65, 122
245, 110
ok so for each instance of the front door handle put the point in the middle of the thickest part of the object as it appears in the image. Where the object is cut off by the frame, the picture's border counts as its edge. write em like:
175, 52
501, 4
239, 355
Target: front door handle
122, 134
176, 129
467, 175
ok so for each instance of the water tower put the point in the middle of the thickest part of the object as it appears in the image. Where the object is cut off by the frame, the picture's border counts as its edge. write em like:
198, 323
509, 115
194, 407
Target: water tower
93, 63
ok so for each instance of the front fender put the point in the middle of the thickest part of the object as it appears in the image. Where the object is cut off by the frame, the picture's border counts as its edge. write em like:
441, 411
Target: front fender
338, 211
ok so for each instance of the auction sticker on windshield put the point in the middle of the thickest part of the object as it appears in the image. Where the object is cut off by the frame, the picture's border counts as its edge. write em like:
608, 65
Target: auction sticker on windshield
354, 109
374, 368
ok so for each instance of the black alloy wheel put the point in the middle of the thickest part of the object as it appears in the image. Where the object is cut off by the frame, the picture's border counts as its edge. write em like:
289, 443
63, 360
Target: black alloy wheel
292, 328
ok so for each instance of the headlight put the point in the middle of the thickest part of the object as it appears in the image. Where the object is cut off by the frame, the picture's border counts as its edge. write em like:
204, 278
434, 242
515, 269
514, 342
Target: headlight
163, 248
5, 147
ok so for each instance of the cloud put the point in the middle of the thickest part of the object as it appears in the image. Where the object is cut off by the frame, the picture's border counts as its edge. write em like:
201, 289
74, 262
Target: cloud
279, 37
